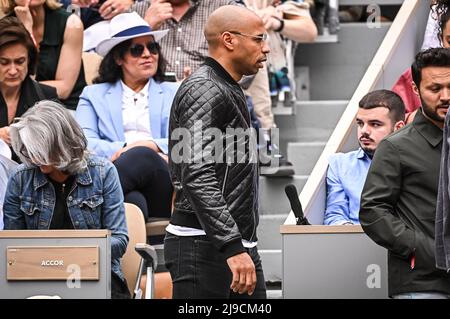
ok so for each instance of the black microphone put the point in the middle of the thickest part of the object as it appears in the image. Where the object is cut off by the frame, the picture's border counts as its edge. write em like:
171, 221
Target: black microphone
291, 192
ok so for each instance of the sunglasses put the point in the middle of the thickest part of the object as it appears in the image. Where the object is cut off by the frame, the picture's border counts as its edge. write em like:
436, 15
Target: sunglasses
137, 49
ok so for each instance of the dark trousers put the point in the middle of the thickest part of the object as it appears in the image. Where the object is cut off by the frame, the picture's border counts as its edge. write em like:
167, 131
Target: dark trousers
145, 180
119, 287
199, 271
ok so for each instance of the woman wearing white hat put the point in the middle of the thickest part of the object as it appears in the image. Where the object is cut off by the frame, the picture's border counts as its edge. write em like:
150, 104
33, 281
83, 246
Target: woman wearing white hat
125, 115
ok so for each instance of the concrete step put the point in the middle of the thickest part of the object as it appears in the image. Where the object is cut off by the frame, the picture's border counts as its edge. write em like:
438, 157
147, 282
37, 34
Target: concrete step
272, 198
310, 114
326, 37
281, 110
315, 106
335, 69
323, 114
269, 236
271, 263
269, 246
274, 294
309, 121
304, 155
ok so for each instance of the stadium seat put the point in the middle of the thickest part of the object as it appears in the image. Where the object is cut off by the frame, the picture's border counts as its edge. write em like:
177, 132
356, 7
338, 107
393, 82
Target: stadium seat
91, 62
138, 254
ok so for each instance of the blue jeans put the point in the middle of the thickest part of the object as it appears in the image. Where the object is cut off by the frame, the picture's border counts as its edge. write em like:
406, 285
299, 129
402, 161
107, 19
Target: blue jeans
199, 271
422, 295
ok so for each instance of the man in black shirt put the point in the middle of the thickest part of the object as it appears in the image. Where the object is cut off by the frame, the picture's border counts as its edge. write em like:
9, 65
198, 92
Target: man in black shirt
398, 201
210, 245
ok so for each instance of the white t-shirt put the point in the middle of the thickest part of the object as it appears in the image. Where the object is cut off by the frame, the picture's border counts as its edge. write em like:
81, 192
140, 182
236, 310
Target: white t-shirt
188, 231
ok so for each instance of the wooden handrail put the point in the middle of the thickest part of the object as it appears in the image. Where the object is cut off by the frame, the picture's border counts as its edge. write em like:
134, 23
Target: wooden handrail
320, 229
56, 233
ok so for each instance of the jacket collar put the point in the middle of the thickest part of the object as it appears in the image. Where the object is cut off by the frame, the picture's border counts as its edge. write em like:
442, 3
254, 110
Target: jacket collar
155, 104
40, 179
362, 155
218, 68
427, 129
114, 101
28, 96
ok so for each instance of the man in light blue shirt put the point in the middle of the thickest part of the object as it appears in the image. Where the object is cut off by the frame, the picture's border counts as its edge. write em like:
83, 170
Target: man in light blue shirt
380, 113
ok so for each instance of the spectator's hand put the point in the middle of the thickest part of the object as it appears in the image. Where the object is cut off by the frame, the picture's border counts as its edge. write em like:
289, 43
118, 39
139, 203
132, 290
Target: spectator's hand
4, 135
268, 16
270, 23
244, 273
158, 12
85, 3
23, 13
110, 8
187, 71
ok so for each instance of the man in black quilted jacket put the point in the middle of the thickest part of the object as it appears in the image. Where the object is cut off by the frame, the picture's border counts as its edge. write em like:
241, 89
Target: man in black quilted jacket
210, 245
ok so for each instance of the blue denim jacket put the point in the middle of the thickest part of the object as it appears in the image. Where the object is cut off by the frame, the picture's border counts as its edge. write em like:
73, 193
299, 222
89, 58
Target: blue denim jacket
94, 202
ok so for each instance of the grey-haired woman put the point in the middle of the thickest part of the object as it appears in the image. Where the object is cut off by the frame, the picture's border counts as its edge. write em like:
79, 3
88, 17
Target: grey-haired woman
61, 186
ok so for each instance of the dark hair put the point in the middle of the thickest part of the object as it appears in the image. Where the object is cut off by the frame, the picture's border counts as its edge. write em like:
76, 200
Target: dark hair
12, 31
387, 99
110, 72
440, 7
430, 57
442, 23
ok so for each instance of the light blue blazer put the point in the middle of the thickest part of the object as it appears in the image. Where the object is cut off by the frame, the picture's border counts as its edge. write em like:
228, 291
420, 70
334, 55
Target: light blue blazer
99, 114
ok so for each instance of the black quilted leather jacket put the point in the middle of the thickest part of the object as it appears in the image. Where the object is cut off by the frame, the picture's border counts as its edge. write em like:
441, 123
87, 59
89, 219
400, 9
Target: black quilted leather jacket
220, 197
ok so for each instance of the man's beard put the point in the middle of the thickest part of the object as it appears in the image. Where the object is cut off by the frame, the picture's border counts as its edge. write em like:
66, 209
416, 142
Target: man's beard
368, 150
430, 113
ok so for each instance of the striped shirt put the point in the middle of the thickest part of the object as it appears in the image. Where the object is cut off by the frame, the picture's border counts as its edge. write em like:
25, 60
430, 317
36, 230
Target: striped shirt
185, 44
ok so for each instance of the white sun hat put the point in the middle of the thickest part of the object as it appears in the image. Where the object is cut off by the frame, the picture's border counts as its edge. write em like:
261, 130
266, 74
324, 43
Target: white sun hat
126, 26
95, 34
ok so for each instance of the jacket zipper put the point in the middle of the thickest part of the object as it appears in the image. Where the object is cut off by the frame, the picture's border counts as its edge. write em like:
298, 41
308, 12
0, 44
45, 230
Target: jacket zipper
225, 179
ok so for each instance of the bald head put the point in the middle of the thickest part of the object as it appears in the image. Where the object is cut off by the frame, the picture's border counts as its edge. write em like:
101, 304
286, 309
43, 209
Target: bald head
227, 18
